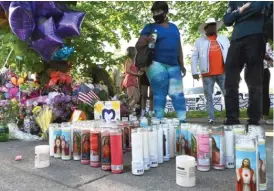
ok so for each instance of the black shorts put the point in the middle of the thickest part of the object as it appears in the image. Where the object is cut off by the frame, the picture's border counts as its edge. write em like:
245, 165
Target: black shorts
144, 80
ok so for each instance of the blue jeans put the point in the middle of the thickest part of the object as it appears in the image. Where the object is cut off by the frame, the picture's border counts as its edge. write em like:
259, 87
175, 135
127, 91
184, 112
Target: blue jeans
208, 83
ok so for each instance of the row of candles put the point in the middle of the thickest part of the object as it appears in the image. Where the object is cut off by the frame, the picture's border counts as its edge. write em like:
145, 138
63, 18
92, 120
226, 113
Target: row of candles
102, 144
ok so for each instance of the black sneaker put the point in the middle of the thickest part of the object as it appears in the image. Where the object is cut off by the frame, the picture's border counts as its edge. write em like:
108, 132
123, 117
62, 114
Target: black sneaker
210, 121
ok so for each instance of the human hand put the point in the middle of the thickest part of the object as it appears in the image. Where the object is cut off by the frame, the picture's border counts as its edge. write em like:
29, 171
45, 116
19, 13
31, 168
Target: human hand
150, 38
183, 71
196, 77
244, 7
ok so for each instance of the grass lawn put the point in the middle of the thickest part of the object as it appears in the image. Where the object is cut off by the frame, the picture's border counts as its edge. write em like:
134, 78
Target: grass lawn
218, 114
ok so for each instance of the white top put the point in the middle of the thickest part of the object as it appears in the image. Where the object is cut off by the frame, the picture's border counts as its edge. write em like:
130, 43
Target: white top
269, 52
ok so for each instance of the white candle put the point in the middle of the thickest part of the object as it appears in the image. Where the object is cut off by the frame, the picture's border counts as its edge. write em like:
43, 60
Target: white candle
137, 152
65, 143
166, 140
172, 140
42, 158
229, 142
160, 145
153, 153
137, 146
146, 149
51, 139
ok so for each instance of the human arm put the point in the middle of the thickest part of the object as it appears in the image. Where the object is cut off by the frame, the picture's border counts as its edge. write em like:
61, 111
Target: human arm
144, 38
128, 70
194, 61
255, 7
231, 15
181, 59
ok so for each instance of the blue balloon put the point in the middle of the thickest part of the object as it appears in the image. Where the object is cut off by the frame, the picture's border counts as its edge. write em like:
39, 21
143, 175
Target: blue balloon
63, 53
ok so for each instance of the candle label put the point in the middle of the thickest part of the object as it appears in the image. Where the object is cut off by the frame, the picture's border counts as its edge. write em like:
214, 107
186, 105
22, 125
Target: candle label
85, 150
166, 140
57, 143
192, 140
203, 155
218, 153
185, 172
262, 164
182, 145
153, 161
76, 143
245, 168
138, 168
105, 154
95, 153
65, 144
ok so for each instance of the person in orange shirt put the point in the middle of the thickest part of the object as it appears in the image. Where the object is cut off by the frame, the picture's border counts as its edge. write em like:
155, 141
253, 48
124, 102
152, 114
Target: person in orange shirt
210, 51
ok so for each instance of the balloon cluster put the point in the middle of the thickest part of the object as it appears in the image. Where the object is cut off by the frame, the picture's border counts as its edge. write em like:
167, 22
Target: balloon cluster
44, 24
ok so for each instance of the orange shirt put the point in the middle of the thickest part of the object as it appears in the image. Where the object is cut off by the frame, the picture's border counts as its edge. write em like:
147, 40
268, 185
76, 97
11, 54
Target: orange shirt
216, 64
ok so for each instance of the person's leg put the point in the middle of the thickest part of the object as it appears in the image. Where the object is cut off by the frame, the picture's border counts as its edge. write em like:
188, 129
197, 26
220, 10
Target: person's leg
208, 84
233, 67
220, 80
254, 51
175, 91
158, 78
144, 89
150, 101
266, 99
133, 94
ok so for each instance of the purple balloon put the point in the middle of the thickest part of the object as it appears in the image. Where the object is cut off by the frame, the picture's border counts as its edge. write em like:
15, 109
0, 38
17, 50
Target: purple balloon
49, 41
5, 5
21, 19
70, 24
46, 9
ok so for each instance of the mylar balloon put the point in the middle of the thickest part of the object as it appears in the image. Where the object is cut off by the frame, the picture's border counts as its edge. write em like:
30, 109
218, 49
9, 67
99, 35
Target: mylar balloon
63, 53
5, 5
70, 24
49, 42
46, 9
21, 19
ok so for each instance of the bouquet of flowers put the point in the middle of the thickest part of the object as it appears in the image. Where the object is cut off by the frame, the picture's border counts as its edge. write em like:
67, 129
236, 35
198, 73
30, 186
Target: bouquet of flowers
62, 107
43, 117
9, 111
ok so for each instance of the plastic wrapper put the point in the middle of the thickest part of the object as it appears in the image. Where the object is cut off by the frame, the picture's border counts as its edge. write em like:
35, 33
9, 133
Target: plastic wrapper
15, 133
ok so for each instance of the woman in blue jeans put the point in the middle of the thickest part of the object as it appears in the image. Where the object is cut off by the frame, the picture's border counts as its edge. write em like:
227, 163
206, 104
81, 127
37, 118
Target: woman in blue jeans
165, 72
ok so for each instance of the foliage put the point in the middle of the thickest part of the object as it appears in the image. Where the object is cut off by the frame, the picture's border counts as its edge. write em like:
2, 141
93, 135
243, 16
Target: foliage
9, 112
105, 24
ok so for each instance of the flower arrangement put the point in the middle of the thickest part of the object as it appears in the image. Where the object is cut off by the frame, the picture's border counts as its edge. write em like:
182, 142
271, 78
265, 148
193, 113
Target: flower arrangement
9, 111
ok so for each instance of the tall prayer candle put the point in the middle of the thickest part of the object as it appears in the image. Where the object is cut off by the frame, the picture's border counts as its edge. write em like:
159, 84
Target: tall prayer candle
66, 141
160, 144
116, 148
146, 149
203, 149
230, 149
137, 152
166, 140
218, 148
153, 153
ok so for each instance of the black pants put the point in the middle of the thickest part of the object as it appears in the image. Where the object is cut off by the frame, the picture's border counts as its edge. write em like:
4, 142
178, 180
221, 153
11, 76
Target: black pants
249, 50
266, 99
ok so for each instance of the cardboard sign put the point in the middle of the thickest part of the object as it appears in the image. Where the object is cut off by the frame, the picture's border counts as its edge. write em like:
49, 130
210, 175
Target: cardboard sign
107, 110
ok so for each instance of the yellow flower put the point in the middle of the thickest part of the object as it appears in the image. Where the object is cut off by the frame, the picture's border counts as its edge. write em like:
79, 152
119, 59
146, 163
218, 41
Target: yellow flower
36, 109
99, 107
116, 105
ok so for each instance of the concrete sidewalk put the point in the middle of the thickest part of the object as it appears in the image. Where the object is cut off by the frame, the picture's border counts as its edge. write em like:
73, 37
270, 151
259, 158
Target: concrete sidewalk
71, 175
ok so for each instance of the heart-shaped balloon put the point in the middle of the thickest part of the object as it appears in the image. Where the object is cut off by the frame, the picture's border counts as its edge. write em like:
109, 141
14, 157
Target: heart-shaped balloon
108, 114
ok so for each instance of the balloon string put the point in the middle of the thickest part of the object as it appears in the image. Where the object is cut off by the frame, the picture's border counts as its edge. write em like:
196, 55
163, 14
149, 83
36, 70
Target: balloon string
8, 57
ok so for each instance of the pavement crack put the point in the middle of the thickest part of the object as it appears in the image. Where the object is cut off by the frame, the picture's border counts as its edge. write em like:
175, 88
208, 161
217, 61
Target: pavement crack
91, 181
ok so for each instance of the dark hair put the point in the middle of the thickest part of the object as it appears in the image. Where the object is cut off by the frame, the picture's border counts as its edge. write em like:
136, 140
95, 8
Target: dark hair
131, 52
159, 5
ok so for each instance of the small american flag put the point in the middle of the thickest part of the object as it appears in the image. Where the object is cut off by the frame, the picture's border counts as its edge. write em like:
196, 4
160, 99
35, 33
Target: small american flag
87, 96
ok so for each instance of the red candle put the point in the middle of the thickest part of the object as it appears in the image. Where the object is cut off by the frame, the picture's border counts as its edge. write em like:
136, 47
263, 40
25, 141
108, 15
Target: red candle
116, 150
105, 152
85, 144
95, 151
